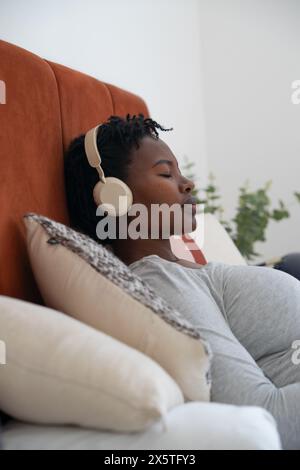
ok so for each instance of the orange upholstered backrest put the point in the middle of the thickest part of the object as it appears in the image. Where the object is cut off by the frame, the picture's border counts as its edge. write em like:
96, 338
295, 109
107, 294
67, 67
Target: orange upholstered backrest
47, 105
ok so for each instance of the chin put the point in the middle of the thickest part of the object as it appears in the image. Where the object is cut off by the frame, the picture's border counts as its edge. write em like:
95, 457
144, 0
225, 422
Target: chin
185, 232
194, 226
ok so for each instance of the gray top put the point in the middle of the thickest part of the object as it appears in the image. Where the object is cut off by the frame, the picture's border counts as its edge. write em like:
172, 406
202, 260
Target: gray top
250, 315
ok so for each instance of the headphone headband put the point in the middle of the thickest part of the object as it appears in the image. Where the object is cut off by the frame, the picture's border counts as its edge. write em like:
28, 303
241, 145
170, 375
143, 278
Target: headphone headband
92, 152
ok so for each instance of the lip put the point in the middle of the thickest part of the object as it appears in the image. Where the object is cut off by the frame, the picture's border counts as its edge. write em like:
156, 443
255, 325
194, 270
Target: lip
190, 200
193, 202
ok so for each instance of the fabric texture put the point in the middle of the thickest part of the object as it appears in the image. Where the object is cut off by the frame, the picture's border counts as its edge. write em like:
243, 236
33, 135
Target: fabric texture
82, 278
191, 426
60, 371
250, 316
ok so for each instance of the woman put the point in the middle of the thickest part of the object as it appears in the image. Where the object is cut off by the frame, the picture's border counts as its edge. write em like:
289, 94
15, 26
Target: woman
250, 315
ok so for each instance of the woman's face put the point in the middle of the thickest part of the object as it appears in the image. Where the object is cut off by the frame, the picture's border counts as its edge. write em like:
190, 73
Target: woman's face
155, 178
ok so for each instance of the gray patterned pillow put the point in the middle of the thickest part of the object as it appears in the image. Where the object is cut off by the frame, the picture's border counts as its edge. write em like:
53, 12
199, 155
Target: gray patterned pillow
129, 310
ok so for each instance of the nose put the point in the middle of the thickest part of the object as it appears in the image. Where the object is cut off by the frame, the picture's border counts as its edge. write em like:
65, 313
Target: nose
187, 185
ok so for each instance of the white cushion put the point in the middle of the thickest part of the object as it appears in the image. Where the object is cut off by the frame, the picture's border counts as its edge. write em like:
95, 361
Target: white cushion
80, 277
214, 242
60, 371
191, 426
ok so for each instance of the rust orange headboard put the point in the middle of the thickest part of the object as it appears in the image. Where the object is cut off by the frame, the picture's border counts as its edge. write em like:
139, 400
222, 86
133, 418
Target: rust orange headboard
47, 105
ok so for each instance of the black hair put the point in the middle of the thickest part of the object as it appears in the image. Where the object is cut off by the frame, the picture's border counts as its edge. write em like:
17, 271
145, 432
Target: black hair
115, 141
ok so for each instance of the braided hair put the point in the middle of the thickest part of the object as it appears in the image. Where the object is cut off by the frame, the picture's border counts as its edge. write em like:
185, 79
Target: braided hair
116, 140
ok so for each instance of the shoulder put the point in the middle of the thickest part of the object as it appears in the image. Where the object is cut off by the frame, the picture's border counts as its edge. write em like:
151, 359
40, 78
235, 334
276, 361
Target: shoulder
159, 270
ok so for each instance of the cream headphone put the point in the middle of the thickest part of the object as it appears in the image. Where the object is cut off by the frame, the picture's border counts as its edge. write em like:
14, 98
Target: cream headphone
111, 193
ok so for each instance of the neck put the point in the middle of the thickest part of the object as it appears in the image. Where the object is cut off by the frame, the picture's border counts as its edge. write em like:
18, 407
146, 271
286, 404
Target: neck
132, 250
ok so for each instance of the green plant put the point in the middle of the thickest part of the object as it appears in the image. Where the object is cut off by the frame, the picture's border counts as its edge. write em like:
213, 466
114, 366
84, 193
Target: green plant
253, 212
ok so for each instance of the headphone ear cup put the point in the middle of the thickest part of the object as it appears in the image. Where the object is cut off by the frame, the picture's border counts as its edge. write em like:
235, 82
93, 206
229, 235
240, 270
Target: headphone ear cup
97, 193
114, 196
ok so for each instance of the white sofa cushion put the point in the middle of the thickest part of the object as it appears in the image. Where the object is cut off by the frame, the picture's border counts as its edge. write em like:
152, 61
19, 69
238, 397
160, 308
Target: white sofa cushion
191, 426
60, 371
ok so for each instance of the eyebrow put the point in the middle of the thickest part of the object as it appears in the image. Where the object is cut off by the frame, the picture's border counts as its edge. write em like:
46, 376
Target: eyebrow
168, 162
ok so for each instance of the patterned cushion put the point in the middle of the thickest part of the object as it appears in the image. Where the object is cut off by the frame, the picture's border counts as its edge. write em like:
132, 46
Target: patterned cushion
84, 279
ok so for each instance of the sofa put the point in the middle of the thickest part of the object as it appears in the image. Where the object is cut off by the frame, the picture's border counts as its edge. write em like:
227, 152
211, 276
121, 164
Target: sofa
46, 106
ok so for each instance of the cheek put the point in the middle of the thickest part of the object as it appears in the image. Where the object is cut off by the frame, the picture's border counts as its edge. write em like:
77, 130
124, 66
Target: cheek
156, 191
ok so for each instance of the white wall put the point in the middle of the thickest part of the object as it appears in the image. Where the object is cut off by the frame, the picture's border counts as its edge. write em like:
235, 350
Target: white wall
251, 55
150, 48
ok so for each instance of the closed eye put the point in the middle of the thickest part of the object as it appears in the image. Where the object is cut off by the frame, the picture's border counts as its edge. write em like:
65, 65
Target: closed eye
166, 176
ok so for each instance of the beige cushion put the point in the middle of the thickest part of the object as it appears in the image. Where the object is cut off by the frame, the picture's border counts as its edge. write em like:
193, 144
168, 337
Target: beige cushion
60, 371
82, 278
214, 241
